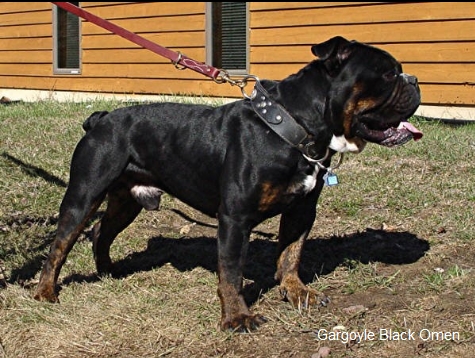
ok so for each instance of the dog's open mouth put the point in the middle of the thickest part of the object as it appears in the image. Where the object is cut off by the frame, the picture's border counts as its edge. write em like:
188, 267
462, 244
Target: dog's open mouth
390, 137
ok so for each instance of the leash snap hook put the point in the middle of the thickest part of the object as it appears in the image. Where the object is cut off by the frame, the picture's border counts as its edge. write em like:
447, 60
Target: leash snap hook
243, 84
224, 77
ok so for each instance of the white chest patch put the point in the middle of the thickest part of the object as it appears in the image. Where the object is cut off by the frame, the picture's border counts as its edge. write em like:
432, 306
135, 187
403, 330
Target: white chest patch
305, 184
342, 145
309, 182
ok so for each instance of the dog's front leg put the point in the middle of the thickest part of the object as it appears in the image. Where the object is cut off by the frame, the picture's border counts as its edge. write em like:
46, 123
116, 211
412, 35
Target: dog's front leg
233, 239
295, 226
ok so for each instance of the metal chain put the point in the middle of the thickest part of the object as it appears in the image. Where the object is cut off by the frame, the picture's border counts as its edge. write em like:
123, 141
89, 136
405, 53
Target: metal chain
241, 83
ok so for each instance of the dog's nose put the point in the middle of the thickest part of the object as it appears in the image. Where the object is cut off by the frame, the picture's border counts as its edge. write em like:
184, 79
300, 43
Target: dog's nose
409, 78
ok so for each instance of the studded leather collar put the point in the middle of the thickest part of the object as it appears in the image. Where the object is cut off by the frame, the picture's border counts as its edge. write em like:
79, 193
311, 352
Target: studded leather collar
282, 123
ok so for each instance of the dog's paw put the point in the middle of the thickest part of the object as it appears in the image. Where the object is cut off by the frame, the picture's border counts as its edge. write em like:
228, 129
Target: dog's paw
242, 323
301, 296
46, 296
104, 268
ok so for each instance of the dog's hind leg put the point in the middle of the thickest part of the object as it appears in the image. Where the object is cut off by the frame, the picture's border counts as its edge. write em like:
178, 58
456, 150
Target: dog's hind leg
92, 172
121, 210
72, 220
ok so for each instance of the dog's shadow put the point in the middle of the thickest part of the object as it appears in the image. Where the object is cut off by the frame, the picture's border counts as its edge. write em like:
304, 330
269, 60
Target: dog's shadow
320, 256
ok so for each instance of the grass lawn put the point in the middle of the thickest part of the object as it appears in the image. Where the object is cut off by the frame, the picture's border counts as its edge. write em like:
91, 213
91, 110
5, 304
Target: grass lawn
392, 246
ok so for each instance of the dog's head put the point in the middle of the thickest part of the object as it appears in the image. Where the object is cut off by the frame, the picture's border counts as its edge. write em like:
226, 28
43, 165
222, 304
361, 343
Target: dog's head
370, 98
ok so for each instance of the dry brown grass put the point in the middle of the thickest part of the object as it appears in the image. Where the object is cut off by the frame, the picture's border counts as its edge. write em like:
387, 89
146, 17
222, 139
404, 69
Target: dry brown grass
392, 247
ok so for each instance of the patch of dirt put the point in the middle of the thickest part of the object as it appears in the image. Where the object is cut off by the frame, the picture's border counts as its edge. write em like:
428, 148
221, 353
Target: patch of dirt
391, 294
372, 277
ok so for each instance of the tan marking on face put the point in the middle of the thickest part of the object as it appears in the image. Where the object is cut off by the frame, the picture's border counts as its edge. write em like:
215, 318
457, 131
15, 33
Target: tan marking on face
353, 107
270, 195
348, 113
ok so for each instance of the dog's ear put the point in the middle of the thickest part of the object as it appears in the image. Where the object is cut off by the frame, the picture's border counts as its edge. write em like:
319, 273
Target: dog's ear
333, 52
334, 47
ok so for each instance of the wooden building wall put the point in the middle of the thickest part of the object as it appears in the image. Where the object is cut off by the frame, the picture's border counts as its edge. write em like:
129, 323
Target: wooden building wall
434, 40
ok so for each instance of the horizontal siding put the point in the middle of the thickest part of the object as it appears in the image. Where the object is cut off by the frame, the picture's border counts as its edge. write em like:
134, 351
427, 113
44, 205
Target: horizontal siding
23, 7
132, 10
96, 71
42, 16
457, 95
182, 39
110, 63
27, 31
454, 73
25, 43
135, 55
360, 13
449, 52
434, 41
23, 57
119, 85
109, 3
156, 71
154, 24
369, 33
463, 73
432, 94
265, 6
180, 28
25, 38
22, 44
450, 83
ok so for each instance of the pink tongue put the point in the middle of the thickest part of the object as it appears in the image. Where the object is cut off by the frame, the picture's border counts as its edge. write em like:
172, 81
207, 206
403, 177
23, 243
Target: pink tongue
416, 133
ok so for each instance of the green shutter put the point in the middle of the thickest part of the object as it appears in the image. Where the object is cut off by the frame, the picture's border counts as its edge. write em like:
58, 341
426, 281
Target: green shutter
234, 35
68, 39
230, 35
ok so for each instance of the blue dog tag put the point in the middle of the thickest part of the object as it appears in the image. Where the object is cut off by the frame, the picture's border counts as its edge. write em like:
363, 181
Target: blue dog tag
330, 179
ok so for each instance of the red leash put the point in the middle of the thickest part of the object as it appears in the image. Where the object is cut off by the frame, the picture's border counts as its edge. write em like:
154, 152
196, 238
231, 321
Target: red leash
177, 58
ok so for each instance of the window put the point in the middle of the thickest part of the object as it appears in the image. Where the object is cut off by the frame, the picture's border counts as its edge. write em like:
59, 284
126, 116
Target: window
66, 41
227, 36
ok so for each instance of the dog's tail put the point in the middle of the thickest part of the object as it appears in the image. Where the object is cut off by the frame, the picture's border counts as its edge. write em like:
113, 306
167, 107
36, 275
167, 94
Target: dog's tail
91, 121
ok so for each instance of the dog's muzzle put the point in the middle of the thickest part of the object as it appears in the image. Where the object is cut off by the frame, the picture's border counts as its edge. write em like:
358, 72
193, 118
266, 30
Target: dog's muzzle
388, 125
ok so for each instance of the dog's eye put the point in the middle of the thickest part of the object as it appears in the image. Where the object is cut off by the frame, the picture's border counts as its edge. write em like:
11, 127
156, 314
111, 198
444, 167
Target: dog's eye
391, 75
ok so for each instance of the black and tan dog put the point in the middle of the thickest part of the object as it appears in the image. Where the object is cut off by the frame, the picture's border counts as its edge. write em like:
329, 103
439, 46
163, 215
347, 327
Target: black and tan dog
242, 162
